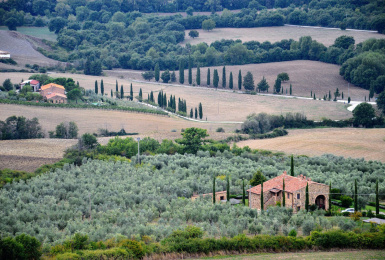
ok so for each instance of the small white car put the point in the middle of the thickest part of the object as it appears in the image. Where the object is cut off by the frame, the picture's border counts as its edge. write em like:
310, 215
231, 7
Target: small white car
350, 210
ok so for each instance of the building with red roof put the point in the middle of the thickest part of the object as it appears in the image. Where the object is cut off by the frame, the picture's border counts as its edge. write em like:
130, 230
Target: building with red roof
294, 192
53, 93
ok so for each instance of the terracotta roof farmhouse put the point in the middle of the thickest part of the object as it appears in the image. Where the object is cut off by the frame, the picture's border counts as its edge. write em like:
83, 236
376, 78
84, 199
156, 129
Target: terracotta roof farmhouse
295, 193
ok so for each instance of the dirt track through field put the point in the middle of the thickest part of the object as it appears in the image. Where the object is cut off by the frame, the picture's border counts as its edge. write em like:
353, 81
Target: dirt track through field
347, 142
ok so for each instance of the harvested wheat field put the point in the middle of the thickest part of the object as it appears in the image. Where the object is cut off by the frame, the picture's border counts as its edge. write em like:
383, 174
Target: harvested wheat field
346, 142
91, 120
229, 106
28, 155
305, 77
274, 34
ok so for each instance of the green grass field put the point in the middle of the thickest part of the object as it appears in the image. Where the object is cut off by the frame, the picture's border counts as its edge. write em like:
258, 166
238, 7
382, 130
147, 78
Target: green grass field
39, 32
364, 254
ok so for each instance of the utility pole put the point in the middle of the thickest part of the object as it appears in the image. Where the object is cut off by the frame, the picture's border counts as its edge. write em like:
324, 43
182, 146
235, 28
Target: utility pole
138, 139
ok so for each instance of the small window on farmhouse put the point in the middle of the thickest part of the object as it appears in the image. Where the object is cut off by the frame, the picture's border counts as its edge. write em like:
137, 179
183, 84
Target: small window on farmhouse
222, 197
298, 208
298, 196
288, 195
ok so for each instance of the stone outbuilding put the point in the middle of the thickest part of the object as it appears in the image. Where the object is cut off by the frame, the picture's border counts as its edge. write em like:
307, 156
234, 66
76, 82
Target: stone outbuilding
219, 196
295, 193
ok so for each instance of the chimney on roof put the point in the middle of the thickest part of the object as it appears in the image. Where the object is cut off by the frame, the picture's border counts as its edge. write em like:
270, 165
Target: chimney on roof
284, 172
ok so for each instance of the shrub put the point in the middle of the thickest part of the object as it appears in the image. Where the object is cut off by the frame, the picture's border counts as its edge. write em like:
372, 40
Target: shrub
356, 216
346, 201
292, 233
133, 246
220, 130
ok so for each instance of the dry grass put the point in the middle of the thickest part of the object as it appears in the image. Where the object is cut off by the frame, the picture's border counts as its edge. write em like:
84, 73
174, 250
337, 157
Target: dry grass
275, 34
346, 142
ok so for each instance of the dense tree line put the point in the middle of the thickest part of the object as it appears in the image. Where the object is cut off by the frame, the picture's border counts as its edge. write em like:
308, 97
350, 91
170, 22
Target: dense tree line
15, 127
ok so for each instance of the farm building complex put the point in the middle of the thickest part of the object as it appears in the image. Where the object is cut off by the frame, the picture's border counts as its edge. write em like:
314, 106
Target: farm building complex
219, 196
33, 83
54, 93
294, 192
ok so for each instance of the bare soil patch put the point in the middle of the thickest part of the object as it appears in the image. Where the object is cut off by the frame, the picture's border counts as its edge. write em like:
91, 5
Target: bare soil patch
326, 36
348, 142
28, 155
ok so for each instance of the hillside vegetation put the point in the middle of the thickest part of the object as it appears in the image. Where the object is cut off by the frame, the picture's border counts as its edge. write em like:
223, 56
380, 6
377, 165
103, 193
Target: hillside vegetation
103, 198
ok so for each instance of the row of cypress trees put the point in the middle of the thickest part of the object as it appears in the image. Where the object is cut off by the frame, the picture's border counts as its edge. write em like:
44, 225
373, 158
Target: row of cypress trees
117, 93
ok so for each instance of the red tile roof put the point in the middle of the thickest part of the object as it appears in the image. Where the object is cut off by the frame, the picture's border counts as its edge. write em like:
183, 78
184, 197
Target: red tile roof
292, 184
34, 82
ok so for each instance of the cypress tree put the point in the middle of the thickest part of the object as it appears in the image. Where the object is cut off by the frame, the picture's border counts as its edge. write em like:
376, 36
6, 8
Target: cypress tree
240, 80
112, 93
231, 81
342, 95
224, 77
311, 93
140, 95
102, 88
355, 196
228, 188
200, 111
243, 192
314, 96
132, 94
198, 76
148, 97
291, 90
307, 197
292, 165
283, 194
173, 76
214, 190
377, 200
116, 86
196, 113
330, 196
189, 70
181, 72
262, 204
330, 95
349, 100
191, 113
96, 87
121, 92
215, 78
208, 77
157, 72
164, 100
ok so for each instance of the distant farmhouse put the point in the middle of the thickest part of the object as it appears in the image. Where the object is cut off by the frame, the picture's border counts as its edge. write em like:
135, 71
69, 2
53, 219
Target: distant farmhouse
295, 192
53, 93
5, 55
33, 83
219, 196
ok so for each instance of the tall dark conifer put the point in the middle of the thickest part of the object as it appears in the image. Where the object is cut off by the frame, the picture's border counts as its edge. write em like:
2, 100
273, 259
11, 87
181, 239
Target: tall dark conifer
121, 92
228, 188
307, 197
377, 200
283, 194
140, 95
189, 71
181, 72
262, 200
292, 165
200, 111
355, 196
96, 87
196, 113
243, 192
198, 76
330, 196
240, 80
231, 83
102, 88
132, 94
224, 77
208, 77
214, 190
157, 72
215, 78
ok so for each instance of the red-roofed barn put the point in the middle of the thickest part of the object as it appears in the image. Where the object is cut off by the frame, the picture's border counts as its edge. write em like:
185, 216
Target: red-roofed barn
295, 192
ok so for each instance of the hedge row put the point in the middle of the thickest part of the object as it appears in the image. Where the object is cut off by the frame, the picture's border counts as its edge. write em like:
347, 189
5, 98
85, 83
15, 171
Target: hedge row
241, 243
84, 106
